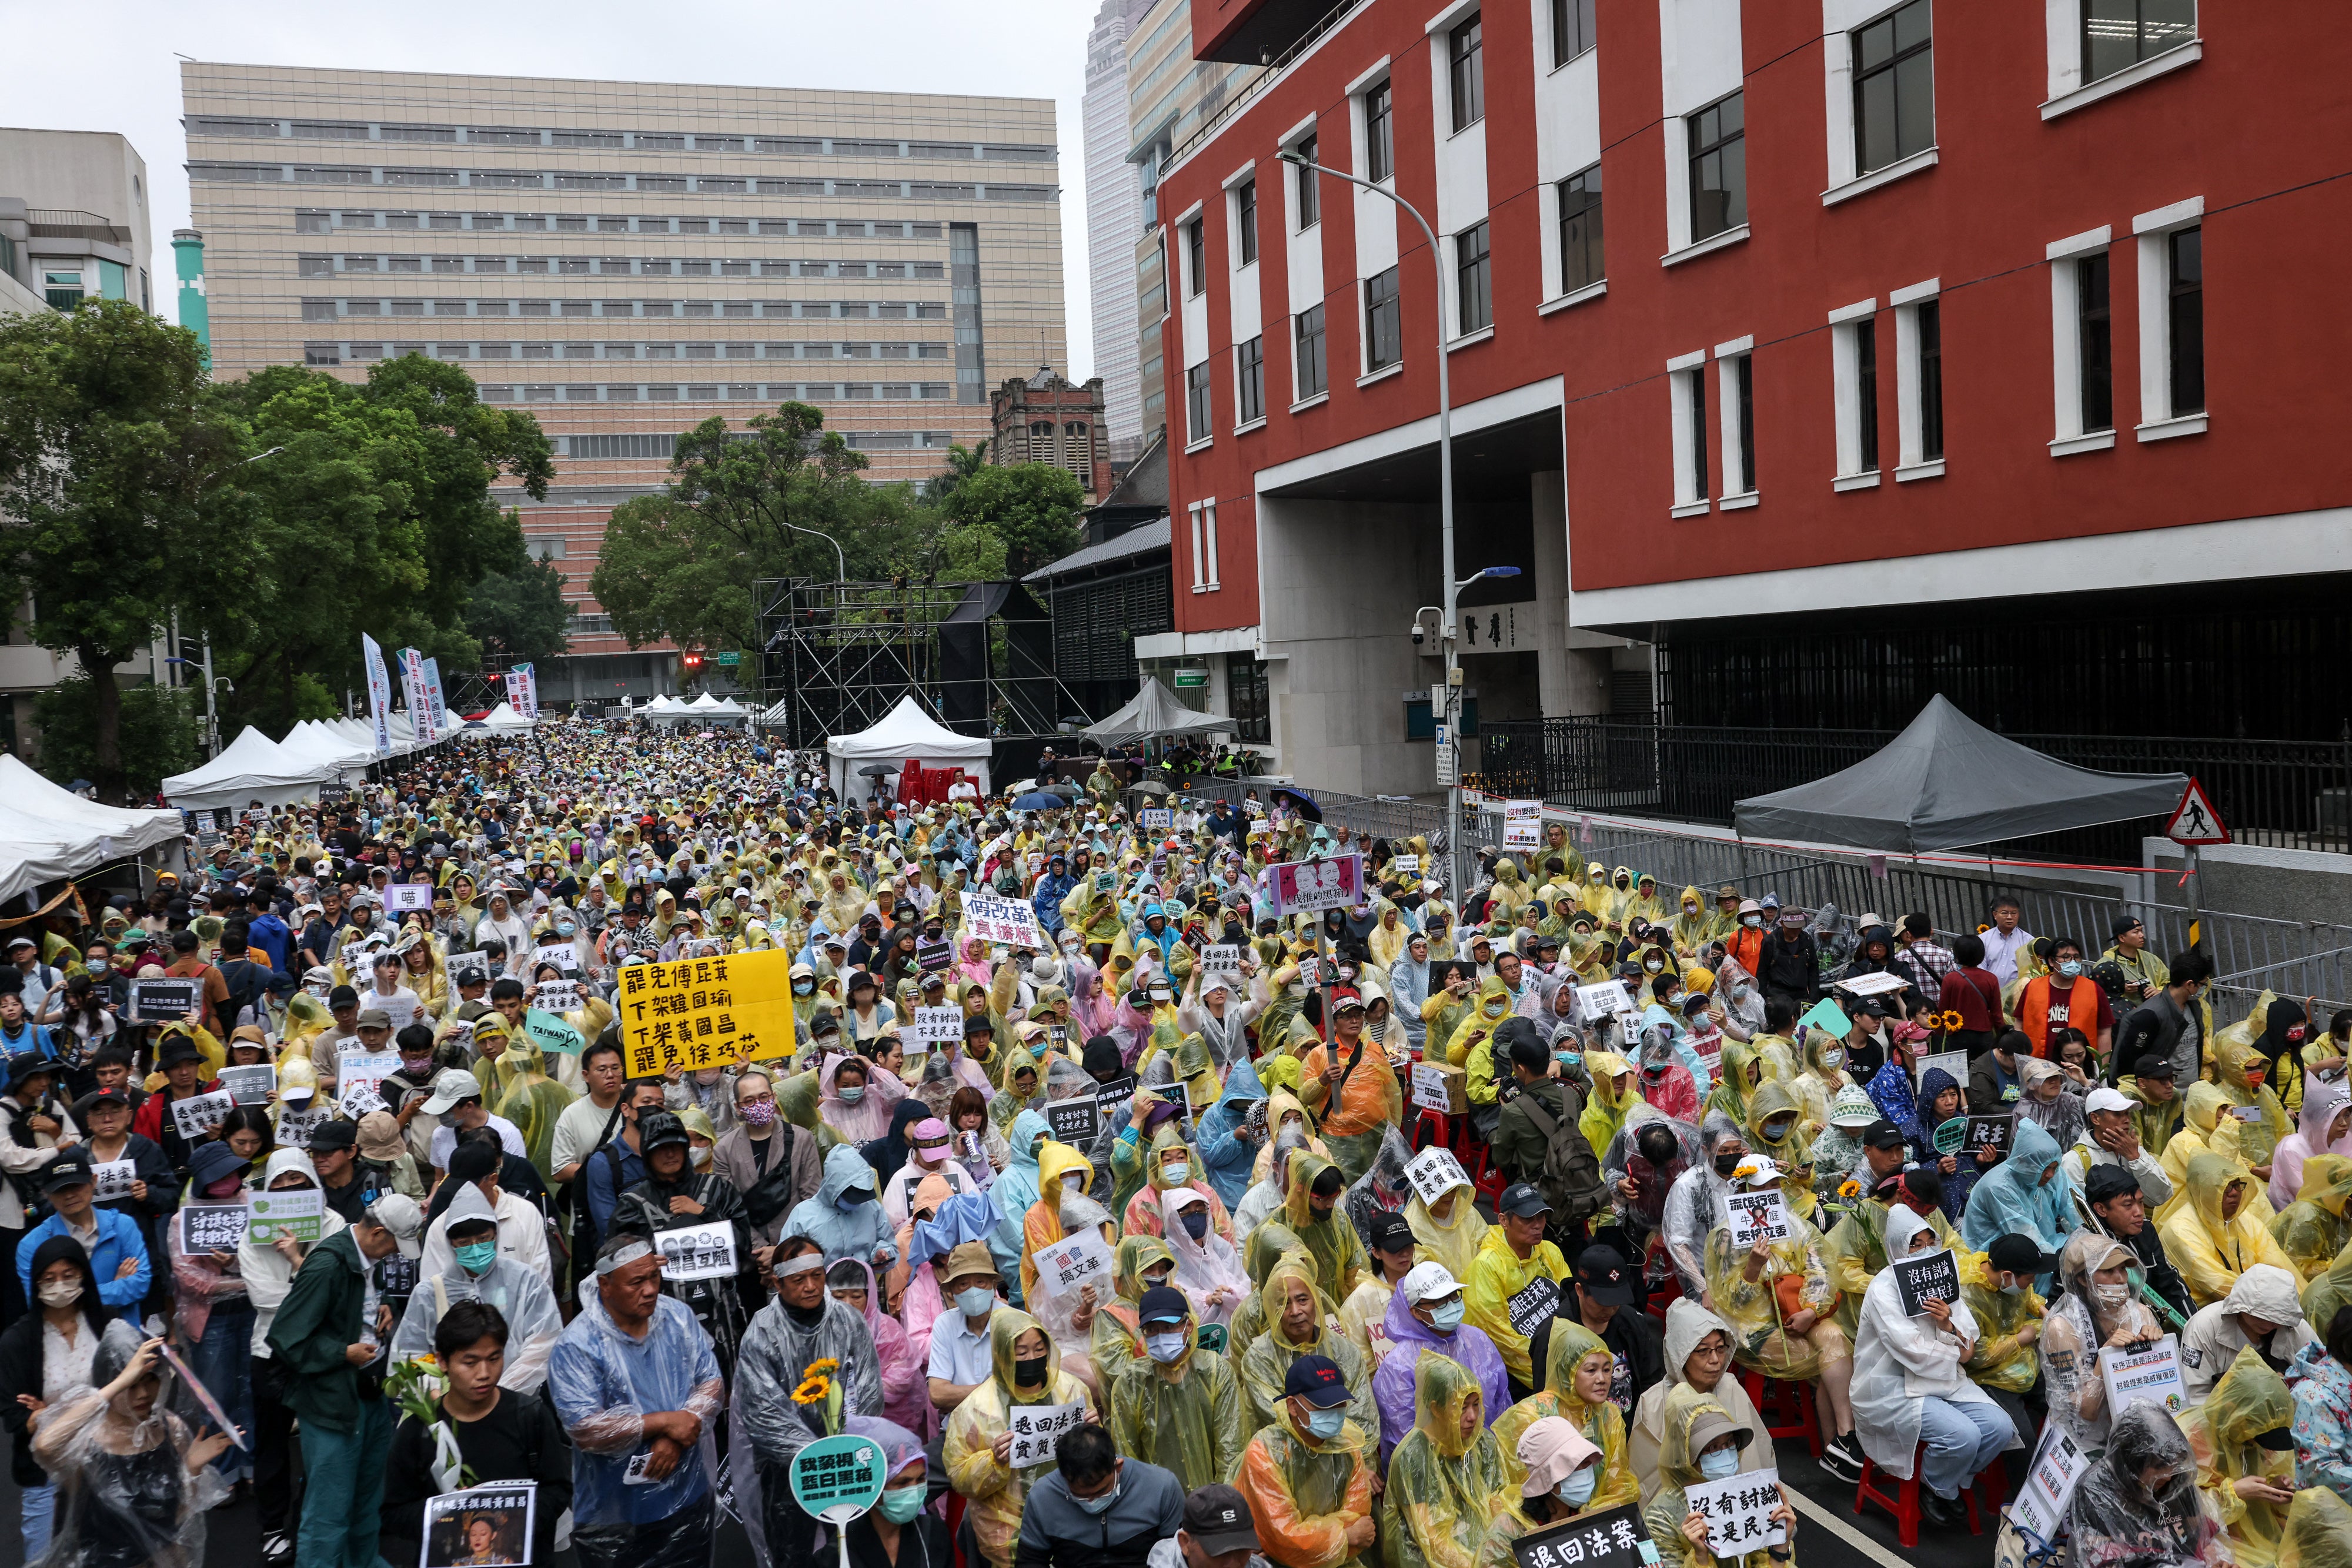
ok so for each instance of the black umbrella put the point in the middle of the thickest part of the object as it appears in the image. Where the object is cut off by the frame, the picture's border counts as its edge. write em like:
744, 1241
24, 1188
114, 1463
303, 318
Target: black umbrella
1300, 802
877, 770
1148, 787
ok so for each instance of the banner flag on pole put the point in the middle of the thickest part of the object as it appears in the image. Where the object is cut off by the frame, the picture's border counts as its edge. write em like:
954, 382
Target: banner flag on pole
379, 685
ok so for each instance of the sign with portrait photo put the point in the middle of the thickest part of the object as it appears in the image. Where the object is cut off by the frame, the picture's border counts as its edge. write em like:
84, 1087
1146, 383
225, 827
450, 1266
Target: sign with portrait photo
697, 1252
483, 1527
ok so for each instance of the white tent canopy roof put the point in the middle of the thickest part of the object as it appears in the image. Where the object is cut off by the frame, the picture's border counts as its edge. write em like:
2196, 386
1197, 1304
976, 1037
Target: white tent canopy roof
503, 721
46, 832
253, 768
907, 731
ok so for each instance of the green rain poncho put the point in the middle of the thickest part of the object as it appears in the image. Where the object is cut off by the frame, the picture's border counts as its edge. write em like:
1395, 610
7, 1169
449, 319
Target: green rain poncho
1678, 1468
1010, 1103
1303, 1495
1441, 1484
1117, 1338
996, 1492
1602, 1424
1271, 1241
2249, 1400
1774, 1101
1330, 1239
1743, 1069
797, 1099
1184, 1416
2312, 1228
1266, 1362
2331, 1290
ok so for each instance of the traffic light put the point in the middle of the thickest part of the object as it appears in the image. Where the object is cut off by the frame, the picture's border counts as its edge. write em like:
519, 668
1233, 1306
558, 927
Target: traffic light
693, 661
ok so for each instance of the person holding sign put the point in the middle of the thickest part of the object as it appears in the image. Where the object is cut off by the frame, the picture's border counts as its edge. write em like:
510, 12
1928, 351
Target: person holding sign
1026, 1373
1560, 1476
1703, 1443
1911, 1384
2099, 1309
675, 1193
48, 1348
1444, 1473
1518, 1284
1768, 1277
2139, 1502
2244, 1439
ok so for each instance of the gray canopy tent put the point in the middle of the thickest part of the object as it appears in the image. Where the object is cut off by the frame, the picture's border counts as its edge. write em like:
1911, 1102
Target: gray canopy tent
1948, 783
1154, 711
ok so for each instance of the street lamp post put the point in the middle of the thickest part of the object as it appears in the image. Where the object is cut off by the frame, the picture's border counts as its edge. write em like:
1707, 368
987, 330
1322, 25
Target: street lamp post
1451, 719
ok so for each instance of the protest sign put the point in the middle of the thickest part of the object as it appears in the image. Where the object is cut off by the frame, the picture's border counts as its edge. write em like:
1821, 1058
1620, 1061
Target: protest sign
1522, 824
408, 897
933, 955
1073, 1122
295, 1127
1074, 1261
1114, 1098
1408, 865
563, 956
1537, 1303
706, 1012
2152, 1373
1826, 1014
1433, 1173
1878, 982
1223, 959
1007, 920
1757, 1216
2041, 1506
199, 1114
552, 1033
939, 1027
697, 1252
556, 996
1929, 1276
837, 1478
1430, 1090
212, 1226
1950, 1134
111, 1179
366, 1070
1336, 882
1738, 1513
165, 1001
1037, 1432
483, 1527
1953, 1063
297, 1212
1156, 820
1601, 1001
1613, 1537
250, 1085
207, 823
1994, 1133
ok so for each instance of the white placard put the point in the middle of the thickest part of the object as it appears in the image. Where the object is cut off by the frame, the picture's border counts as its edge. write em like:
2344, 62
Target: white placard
197, 1115
556, 996
939, 1027
250, 1085
1408, 865
2041, 1506
299, 1212
562, 955
1429, 1090
295, 1127
1522, 824
111, 1179
1037, 1432
490, 1524
697, 1251
1876, 983
2152, 1373
1075, 1261
1157, 819
1757, 1216
1007, 919
1221, 958
1736, 1513
1955, 1062
1433, 1173
408, 898
1599, 1001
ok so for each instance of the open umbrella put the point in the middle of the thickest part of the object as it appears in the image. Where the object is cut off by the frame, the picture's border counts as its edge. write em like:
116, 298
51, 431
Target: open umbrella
1148, 787
1040, 801
877, 770
1300, 802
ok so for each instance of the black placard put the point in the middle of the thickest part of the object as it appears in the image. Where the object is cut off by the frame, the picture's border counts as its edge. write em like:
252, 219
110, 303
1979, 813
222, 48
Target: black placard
1073, 1122
1614, 1538
1991, 1132
932, 957
1932, 1276
165, 1000
1113, 1098
1532, 1305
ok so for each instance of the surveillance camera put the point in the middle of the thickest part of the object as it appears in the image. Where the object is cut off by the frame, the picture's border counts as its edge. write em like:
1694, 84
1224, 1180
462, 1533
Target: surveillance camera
1419, 634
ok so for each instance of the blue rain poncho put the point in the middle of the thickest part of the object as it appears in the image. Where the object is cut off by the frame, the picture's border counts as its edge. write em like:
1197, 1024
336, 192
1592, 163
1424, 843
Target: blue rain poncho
1226, 1158
2013, 1199
861, 1231
603, 1383
1017, 1188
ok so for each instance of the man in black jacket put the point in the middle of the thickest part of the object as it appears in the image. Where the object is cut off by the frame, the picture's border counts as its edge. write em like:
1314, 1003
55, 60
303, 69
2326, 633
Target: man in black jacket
1058, 1530
2114, 1196
1604, 1301
1791, 963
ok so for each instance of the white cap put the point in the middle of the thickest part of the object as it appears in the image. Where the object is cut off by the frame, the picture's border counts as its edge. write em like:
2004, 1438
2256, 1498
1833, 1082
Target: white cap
2103, 1098
1427, 1282
1766, 1172
450, 1085
398, 1213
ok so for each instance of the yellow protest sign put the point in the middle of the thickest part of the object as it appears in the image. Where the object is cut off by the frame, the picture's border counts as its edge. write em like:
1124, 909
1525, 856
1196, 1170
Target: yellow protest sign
706, 1012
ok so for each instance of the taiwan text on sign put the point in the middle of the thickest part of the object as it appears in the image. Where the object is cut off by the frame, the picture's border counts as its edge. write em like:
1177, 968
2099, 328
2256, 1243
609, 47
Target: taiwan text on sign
1337, 882
2152, 1373
697, 1013
697, 1251
1613, 1539
297, 1212
1080, 1260
838, 1478
1522, 824
1221, 958
482, 1525
1929, 1277
1599, 1001
1037, 1431
1757, 1216
1429, 1092
1433, 1173
165, 1001
2041, 1506
1007, 920
1073, 1122
1739, 1513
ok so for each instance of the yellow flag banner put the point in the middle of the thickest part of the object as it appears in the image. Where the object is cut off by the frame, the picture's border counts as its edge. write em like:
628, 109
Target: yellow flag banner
707, 1012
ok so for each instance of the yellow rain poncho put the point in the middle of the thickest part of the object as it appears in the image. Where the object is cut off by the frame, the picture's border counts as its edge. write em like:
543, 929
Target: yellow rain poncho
2206, 1128
1646, 904
1331, 1239
1692, 923
2249, 1400
1452, 1239
1574, 1348
2331, 1290
996, 1493
2210, 1252
2154, 1121
2313, 1228
1605, 1109
1184, 1416
1509, 892
1042, 1225
1760, 1341
531, 1099
1490, 1007
1442, 1483
1289, 1291
1271, 1241
1303, 1495
1677, 1471
1499, 1278
1117, 1338
1793, 1151
1743, 1070
2318, 1532
2238, 1069
2001, 1360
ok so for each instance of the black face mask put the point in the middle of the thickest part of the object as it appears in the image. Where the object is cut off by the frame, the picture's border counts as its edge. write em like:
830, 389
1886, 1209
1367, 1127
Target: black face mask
1028, 1372
1726, 1164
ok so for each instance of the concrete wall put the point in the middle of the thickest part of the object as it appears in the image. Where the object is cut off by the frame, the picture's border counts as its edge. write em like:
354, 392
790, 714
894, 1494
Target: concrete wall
92, 170
2281, 884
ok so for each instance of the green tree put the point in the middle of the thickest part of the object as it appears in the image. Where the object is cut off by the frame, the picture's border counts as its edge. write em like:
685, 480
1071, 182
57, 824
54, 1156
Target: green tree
520, 616
963, 462
1032, 506
111, 470
155, 734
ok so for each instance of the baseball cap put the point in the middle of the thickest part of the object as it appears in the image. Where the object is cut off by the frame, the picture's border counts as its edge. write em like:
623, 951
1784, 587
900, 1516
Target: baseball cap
1216, 1517
1163, 1304
1603, 1276
2018, 1255
399, 1214
1427, 1282
69, 1169
450, 1085
2124, 923
1391, 1233
1765, 1173
177, 1048
342, 997
1882, 1134
2154, 1066
2107, 1183
334, 1135
2277, 1438
375, 1017
2106, 1099
1524, 1200
1317, 1380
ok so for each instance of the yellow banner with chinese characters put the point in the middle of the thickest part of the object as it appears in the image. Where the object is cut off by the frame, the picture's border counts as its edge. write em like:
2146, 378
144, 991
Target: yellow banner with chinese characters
706, 1012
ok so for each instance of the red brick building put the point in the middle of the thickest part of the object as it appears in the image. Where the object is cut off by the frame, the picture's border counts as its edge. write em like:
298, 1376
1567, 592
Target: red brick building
1047, 419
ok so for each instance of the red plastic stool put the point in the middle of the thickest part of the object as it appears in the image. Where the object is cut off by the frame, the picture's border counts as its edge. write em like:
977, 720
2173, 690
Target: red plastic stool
955, 1529
1432, 1129
1904, 1502
1773, 1399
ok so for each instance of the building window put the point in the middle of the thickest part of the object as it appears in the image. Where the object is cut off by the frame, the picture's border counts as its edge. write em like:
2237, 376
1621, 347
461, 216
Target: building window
2094, 344
1196, 401
1383, 335
1309, 205
1196, 271
1249, 363
1893, 86
1245, 220
1931, 381
1865, 370
1571, 29
1245, 691
1689, 388
543, 547
1380, 147
1919, 378
1311, 375
963, 281
1474, 291
1580, 264
1203, 516
1854, 349
2120, 33
63, 291
2185, 319
1467, 76
1719, 167
1738, 424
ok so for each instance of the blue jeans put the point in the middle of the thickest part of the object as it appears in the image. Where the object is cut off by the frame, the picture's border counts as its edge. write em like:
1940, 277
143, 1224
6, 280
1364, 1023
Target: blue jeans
41, 1515
223, 1363
1962, 1442
342, 1489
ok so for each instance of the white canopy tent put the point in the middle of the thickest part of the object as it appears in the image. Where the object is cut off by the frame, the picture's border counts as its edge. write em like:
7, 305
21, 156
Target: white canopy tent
503, 721
252, 767
906, 733
314, 740
46, 832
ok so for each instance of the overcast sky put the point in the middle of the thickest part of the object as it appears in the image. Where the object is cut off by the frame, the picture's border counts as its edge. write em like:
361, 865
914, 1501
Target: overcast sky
113, 65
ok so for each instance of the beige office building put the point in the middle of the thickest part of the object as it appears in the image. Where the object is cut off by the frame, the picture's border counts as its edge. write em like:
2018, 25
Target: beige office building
625, 259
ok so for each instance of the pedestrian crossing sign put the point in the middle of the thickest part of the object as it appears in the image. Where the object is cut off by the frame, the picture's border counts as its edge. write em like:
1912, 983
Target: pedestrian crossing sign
2194, 820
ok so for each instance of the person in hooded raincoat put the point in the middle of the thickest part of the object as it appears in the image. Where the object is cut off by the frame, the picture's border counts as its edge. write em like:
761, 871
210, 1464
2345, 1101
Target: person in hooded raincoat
1058, 1166
1298, 1323
1445, 1475
2099, 1309
1025, 1369
1578, 1372
2244, 1430
1178, 1406
1017, 1187
1777, 1131
2026, 1194
1208, 1270
2314, 1227
2207, 1128
844, 1218
1268, 1244
1743, 1073
1451, 1231
1173, 1164
1777, 1298
1114, 1337
1228, 1146
1613, 1094
1312, 1211
2321, 1127
2319, 1530
1311, 1497
2215, 1236
1427, 1289
1696, 1421
2139, 1505
905, 1390
1698, 1359
2241, 1071
2261, 1309
1911, 1383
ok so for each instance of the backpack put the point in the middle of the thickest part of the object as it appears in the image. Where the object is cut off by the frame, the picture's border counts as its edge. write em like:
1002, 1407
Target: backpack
1570, 1180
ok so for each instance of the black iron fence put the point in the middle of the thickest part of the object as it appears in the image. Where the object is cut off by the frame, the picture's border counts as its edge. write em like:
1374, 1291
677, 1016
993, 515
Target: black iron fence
2292, 794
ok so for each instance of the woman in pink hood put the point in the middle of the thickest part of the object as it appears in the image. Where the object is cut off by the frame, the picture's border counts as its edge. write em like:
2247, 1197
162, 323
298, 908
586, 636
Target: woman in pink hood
860, 1109
906, 1393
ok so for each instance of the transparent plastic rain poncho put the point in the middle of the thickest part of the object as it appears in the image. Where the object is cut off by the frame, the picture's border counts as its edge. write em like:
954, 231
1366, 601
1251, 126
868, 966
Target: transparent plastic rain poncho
603, 1382
2117, 1521
1268, 1242
2322, 1104
1453, 1241
1677, 1471
1441, 1485
1304, 1494
519, 1292
1793, 1151
1759, 1340
1055, 1311
996, 1492
1340, 1257
1266, 1362
1184, 1416
2078, 1326
1571, 1346
2249, 1400
1209, 1271
1065, 1079
2318, 1532
2313, 1228
1383, 1190
1695, 1205
124, 1492
2331, 1290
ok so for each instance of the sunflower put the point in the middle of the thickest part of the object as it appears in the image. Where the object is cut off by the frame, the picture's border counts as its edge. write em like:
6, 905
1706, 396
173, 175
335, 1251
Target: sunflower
1849, 1189
812, 1390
